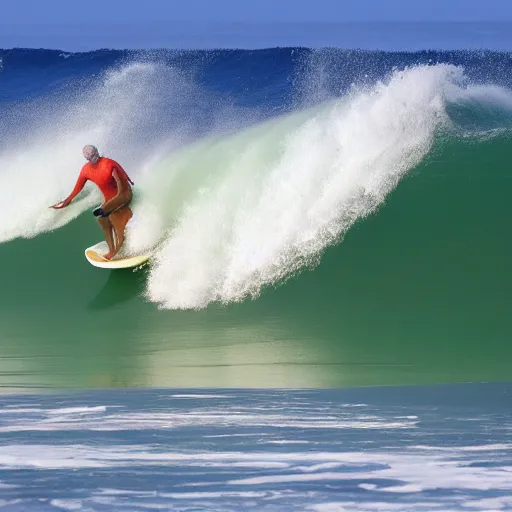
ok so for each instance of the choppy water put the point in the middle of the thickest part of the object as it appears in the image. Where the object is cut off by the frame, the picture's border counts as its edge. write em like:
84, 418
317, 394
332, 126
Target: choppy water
373, 449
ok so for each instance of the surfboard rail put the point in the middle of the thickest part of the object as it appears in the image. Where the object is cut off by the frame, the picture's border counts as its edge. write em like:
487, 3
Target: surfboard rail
94, 256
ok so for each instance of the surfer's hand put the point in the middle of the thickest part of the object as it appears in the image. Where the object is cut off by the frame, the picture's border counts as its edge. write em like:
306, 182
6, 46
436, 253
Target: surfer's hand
58, 206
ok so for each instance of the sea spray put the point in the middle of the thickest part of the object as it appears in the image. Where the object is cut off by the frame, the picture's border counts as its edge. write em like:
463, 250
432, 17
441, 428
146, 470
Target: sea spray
275, 201
132, 113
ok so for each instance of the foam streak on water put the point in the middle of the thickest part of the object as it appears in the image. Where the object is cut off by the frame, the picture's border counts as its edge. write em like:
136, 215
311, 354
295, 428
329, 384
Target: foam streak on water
417, 450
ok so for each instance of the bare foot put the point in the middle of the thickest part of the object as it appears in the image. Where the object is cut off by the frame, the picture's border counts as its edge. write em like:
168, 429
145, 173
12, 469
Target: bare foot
109, 255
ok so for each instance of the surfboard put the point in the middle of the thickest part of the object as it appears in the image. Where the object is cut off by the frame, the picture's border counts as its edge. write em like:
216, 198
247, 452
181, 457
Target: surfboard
94, 256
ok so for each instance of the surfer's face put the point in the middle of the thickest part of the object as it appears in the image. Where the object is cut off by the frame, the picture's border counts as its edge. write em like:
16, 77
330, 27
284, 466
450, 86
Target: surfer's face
91, 155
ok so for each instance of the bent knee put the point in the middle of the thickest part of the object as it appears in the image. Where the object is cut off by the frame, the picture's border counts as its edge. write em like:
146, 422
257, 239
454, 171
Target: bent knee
120, 218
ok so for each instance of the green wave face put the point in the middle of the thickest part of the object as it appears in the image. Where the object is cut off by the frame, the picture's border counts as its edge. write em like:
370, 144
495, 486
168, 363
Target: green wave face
419, 292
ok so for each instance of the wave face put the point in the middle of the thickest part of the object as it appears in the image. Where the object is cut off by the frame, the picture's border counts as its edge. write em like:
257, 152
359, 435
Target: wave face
248, 165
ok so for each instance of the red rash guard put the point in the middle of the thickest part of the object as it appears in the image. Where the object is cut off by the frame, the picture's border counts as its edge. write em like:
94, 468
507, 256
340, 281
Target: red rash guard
100, 174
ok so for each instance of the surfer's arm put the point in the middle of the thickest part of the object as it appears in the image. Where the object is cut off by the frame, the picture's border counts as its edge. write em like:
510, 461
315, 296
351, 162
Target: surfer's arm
123, 189
79, 185
121, 172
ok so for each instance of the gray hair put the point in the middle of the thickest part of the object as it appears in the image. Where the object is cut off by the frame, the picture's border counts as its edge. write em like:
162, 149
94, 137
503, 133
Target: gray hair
90, 151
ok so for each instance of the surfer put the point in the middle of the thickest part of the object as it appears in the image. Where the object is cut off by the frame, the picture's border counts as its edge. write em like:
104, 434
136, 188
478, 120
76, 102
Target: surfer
114, 183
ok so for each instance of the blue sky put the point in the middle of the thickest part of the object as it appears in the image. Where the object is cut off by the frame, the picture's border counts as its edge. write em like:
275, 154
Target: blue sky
126, 11
140, 24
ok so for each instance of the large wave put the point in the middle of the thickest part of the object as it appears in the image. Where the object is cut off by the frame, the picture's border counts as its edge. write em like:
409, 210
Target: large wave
229, 214
270, 200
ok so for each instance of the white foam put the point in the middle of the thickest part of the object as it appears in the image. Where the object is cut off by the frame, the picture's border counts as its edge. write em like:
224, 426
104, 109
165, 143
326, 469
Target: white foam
403, 488
26, 406
99, 419
476, 448
67, 504
77, 410
288, 441
211, 495
123, 115
21, 410
414, 472
257, 434
371, 506
368, 487
293, 478
316, 467
8, 486
52, 457
8, 503
135, 505
329, 507
273, 198
200, 396
497, 503
273, 476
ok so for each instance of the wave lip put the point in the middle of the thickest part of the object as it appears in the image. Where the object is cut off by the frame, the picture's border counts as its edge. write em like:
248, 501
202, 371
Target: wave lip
296, 186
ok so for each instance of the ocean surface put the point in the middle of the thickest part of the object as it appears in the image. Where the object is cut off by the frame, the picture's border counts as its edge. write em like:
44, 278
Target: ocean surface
320, 218
326, 321
434, 448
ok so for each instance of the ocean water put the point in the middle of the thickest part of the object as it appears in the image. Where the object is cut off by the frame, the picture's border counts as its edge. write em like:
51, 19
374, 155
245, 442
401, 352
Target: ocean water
320, 218
434, 448
325, 323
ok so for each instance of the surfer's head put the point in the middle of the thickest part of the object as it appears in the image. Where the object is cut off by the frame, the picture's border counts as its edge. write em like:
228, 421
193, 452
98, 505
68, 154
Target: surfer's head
91, 153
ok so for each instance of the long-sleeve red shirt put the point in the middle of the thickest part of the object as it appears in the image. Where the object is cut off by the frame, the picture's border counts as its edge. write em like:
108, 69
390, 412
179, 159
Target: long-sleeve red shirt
100, 173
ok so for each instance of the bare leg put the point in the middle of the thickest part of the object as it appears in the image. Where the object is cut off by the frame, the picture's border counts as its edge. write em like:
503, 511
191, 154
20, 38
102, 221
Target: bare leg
106, 225
119, 219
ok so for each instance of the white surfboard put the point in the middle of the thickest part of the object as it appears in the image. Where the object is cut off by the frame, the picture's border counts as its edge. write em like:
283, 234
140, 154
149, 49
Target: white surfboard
94, 255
